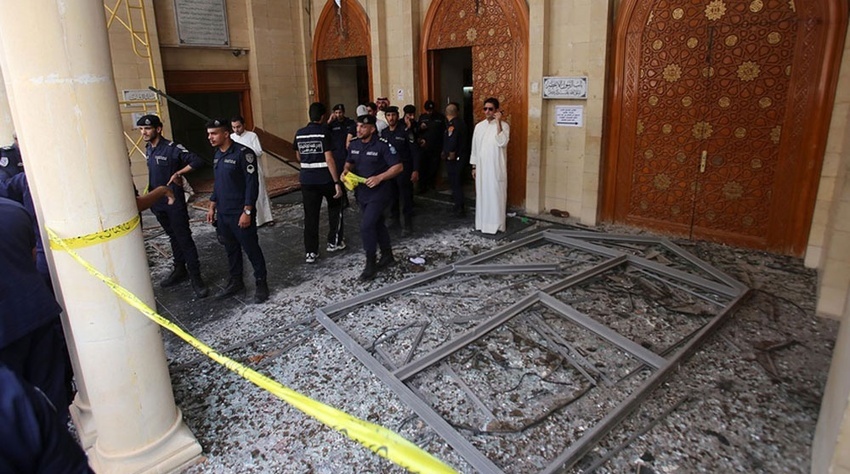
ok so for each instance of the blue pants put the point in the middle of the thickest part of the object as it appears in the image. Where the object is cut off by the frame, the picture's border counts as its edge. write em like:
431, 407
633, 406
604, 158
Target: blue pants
454, 168
175, 223
237, 239
373, 230
402, 189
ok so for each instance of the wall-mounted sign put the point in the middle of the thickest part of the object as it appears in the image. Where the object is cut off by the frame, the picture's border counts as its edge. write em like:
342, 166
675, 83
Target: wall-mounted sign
565, 87
569, 115
202, 22
138, 97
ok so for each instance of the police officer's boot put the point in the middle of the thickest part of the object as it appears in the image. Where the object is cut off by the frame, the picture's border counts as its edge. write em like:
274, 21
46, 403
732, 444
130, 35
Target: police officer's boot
234, 285
387, 259
198, 285
262, 292
407, 230
177, 275
370, 270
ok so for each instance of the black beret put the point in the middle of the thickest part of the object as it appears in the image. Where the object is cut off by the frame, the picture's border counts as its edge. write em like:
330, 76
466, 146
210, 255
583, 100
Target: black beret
367, 119
339, 107
219, 123
429, 104
391, 110
409, 109
149, 120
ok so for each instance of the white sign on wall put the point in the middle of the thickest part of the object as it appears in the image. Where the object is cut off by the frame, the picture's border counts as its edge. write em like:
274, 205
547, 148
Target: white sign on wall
565, 87
569, 115
202, 22
138, 97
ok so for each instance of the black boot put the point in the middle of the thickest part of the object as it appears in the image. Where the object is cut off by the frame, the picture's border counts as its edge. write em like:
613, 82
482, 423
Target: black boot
198, 286
234, 285
407, 230
370, 270
176, 276
387, 259
262, 292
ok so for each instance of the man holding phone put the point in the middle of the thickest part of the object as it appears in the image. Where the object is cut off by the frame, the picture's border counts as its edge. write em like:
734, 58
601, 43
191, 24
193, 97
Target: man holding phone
489, 161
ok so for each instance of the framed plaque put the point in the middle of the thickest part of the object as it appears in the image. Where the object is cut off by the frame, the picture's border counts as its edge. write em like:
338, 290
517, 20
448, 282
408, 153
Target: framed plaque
202, 22
565, 87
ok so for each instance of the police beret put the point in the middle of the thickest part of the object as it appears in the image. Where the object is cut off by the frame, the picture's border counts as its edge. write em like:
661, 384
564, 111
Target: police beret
339, 107
409, 109
367, 119
149, 120
429, 104
391, 110
219, 123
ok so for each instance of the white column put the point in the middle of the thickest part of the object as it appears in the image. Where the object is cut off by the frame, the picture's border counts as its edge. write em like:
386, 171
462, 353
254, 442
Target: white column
65, 106
538, 37
6, 127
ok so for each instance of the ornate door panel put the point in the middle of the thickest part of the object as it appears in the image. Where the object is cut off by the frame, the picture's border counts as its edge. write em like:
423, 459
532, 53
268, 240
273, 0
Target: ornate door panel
497, 32
712, 112
341, 32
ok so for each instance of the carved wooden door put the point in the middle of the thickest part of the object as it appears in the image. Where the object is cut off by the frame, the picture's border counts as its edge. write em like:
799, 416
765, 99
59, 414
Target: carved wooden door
714, 97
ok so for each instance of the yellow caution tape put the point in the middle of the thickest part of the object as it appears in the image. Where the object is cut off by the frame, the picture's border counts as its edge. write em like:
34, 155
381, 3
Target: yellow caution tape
382, 441
97, 237
351, 181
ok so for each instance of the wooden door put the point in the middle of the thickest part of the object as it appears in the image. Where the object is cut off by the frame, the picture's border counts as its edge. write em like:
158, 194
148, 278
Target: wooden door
714, 101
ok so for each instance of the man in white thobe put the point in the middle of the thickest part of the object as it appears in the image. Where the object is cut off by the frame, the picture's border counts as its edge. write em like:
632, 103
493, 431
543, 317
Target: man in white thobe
252, 141
489, 161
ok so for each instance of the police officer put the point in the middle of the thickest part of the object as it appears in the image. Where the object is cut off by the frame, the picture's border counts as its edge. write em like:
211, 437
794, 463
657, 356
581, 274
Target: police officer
454, 152
319, 179
431, 127
167, 163
10, 160
403, 138
31, 342
343, 130
234, 197
376, 160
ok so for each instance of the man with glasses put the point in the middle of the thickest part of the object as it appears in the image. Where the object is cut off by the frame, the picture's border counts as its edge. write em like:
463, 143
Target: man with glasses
489, 161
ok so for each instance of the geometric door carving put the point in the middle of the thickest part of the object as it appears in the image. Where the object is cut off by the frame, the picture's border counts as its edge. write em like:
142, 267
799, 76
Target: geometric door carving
341, 32
719, 127
497, 32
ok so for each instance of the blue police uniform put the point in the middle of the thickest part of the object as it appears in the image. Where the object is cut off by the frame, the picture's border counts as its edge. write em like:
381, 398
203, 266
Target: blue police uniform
454, 152
339, 136
165, 159
10, 162
369, 159
35, 438
17, 189
312, 142
236, 187
431, 128
30, 335
404, 141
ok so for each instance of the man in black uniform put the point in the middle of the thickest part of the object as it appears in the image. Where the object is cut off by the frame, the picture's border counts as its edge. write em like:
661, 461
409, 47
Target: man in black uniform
431, 127
454, 152
10, 160
343, 130
402, 137
376, 160
167, 163
234, 196
319, 179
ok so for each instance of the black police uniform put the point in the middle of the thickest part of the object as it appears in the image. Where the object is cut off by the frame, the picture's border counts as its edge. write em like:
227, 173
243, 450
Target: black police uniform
339, 132
312, 142
237, 186
17, 189
35, 438
10, 162
404, 141
454, 152
369, 159
30, 333
431, 128
165, 159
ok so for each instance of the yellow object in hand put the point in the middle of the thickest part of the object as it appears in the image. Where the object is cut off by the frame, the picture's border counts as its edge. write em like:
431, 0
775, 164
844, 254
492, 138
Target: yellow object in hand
351, 181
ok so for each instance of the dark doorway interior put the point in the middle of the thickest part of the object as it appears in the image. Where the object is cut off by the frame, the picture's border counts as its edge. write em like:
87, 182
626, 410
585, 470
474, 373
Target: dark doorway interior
455, 66
346, 81
189, 129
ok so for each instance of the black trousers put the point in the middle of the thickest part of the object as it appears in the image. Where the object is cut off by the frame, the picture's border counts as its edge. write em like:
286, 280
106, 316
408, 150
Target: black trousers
402, 189
312, 195
175, 222
430, 164
237, 239
373, 229
454, 168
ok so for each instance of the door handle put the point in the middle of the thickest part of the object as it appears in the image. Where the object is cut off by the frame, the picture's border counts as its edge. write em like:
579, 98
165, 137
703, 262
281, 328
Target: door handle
702, 161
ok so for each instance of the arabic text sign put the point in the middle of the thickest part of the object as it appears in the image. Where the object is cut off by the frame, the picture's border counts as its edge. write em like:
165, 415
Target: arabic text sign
569, 115
565, 87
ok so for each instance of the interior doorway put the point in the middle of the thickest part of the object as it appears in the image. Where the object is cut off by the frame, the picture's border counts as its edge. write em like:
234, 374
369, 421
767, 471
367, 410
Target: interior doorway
345, 81
190, 130
455, 66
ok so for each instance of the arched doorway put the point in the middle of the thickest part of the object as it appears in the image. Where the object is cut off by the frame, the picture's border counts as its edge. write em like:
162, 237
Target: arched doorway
342, 55
720, 114
494, 34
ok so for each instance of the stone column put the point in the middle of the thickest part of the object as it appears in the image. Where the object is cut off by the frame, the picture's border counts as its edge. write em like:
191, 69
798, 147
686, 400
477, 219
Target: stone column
62, 89
6, 126
535, 188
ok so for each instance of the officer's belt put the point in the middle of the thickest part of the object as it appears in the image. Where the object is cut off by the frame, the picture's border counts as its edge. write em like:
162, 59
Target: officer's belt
323, 164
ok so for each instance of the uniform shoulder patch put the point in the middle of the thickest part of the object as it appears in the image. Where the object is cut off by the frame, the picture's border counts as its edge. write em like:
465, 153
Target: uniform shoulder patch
249, 157
4, 162
250, 169
180, 147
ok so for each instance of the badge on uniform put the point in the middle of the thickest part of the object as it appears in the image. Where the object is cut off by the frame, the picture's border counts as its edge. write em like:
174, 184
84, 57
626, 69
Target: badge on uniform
249, 158
451, 129
250, 169
392, 149
4, 161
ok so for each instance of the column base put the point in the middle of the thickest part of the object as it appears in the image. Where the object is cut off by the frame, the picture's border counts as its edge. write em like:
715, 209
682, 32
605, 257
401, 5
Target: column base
177, 449
82, 418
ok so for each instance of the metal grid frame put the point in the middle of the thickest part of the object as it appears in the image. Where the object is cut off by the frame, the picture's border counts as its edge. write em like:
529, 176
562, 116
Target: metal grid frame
396, 377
